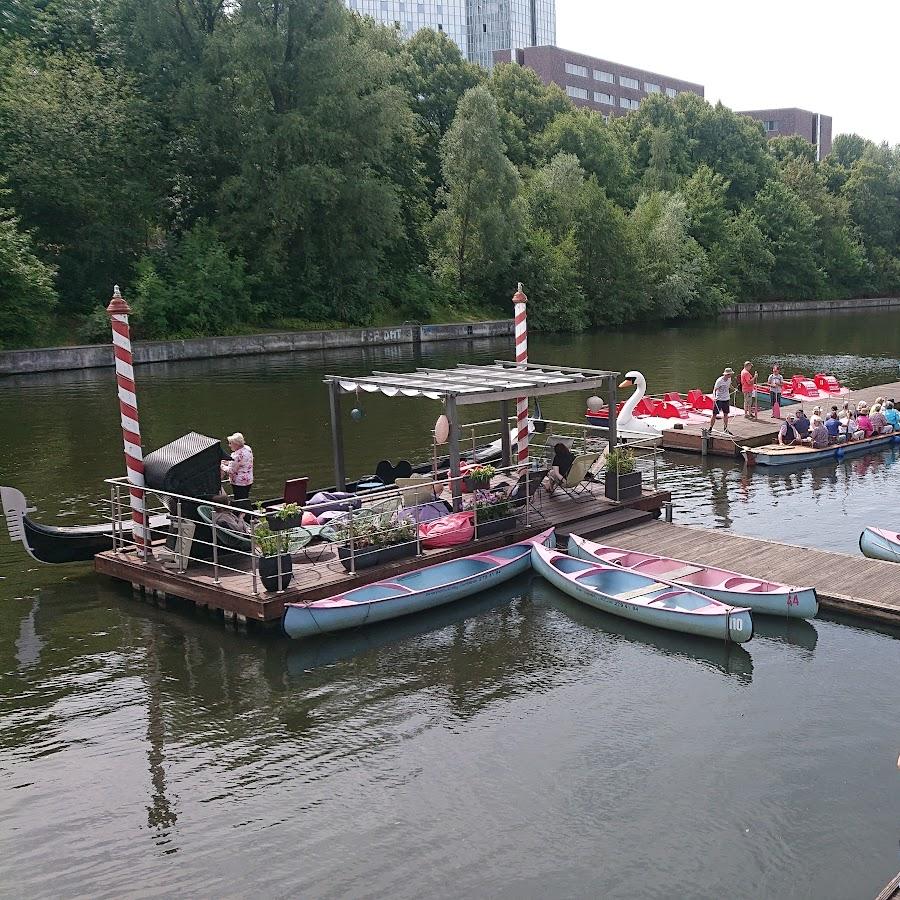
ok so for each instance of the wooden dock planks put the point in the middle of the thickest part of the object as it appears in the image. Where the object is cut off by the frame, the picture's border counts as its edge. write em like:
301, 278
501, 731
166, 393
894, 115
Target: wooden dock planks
756, 432
876, 584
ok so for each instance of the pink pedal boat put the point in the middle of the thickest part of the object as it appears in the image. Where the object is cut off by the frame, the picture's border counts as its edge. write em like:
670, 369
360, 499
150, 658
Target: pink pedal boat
760, 596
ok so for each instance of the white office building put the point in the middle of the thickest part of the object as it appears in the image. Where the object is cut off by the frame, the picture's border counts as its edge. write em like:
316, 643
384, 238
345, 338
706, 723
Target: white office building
479, 27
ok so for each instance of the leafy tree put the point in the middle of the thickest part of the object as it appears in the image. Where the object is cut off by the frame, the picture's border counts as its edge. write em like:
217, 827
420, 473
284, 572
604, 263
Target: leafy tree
743, 259
553, 195
26, 284
478, 226
549, 268
846, 149
705, 194
791, 147
873, 191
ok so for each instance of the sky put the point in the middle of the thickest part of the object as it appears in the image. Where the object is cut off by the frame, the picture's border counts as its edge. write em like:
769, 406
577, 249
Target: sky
842, 60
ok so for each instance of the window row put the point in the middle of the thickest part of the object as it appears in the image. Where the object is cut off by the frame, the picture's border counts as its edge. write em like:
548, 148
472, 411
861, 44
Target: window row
771, 124
599, 97
624, 80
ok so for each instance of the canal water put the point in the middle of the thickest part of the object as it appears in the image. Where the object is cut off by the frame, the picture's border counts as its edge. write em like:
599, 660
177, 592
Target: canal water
517, 745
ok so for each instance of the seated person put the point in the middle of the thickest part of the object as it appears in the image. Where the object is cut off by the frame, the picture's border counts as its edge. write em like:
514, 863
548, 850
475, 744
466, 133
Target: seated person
560, 467
891, 415
818, 434
788, 436
863, 422
801, 423
879, 422
833, 426
852, 427
227, 518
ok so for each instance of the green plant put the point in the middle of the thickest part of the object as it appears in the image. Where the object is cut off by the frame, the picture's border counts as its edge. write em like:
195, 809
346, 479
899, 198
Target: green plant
620, 461
268, 542
289, 511
490, 506
481, 473
376, 531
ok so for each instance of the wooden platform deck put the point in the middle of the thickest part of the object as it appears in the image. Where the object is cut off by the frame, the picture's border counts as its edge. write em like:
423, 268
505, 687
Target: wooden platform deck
233, 595
756, 432
875, 596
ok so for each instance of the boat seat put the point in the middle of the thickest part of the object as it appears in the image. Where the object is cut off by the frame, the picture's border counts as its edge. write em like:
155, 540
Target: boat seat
679, 573
641, 591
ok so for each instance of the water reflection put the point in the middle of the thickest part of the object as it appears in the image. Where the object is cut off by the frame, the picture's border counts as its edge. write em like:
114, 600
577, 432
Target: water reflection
796, 632
727, 658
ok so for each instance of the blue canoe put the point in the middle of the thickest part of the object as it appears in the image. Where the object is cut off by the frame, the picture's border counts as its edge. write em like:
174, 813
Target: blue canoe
413, 592
641, 598
804, 455
879, 543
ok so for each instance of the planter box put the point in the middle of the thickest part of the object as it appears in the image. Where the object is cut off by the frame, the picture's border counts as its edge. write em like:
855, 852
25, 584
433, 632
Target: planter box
268, 571
496, 526
375, 556
622, 487
278, 524
470, 485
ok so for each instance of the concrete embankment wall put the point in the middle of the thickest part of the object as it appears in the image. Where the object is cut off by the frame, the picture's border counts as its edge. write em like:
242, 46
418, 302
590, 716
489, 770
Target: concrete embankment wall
783, 306
54, 359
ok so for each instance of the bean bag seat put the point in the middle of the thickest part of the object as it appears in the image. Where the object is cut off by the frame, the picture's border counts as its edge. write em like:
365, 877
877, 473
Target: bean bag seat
427, 512
309, 519
323, 501
448, 531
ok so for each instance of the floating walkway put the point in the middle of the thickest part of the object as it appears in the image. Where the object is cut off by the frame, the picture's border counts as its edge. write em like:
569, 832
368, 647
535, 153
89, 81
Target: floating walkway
875, 584
764, 430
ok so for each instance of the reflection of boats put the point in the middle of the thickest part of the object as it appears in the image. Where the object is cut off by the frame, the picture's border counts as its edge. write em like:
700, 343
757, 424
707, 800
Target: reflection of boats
879, 543
804, 455
796, 632
59, 543
761, 596
411, 592
728, 658
327, 649
642, 598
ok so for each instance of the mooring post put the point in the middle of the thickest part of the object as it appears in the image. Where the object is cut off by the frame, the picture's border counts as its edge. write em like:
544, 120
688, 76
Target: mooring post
704, 441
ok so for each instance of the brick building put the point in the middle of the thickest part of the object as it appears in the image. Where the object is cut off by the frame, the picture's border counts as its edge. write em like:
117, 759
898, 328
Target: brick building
607, 87
815, 127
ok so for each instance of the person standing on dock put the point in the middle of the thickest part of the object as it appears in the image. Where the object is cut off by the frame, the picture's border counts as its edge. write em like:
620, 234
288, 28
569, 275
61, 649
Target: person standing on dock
776, 383
748, 388
240, 469
722, 398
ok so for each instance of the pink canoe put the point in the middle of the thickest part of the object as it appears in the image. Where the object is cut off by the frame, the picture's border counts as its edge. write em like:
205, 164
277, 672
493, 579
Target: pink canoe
761, 596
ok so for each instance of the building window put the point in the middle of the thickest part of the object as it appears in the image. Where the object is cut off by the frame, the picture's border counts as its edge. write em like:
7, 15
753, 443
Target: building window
771, 124
671, 92
420, 8
608, 99
651, 88
576, 92
572, 69
484, 27
440, 27
625, 81
604, 76
626, 103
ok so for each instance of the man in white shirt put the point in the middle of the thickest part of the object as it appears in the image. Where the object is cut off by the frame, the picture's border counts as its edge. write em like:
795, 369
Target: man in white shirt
722, 398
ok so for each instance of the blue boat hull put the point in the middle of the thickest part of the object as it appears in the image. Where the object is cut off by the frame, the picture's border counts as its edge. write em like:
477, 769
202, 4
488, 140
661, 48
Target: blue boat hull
433, 586
764, 456
877, 546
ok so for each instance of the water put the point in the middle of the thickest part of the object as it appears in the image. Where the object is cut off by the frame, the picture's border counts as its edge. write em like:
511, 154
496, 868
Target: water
516, 745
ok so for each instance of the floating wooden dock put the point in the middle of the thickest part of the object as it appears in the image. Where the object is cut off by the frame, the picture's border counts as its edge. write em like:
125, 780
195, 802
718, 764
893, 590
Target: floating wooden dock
875, 583
592, 515
764, 430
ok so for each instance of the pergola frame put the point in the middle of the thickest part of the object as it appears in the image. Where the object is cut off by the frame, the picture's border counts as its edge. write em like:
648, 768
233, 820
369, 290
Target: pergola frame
464, 385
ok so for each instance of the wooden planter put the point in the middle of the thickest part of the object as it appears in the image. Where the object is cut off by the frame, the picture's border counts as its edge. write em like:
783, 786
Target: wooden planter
268, 571
622, 487
470, 485
279, 524
375, 556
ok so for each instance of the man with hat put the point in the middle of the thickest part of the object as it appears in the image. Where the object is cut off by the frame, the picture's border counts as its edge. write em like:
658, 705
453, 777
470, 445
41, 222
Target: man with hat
722, 398
748, 388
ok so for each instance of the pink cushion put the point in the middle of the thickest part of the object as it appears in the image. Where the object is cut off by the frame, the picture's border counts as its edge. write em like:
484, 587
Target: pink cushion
448, 531
309, 519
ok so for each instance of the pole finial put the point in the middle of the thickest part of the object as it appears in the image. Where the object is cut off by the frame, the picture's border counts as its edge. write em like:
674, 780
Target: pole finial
118, 306
519, 296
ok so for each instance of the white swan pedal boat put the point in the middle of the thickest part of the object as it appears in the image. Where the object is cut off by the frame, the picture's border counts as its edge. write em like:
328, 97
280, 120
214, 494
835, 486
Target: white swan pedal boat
879, 543
414, 591
761, 596
642, 598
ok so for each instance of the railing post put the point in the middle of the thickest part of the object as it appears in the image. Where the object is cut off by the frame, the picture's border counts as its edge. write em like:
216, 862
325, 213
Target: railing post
527, 495
112, 514
179, 542
119, 518
215, 543
475, 515
278, 589
655, 471
253, 567
352, 548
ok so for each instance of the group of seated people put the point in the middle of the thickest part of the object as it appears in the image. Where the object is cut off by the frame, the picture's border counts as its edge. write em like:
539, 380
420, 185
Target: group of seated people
839, 425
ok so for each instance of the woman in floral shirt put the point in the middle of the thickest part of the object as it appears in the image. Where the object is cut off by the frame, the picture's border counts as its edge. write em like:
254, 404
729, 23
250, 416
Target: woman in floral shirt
240, 469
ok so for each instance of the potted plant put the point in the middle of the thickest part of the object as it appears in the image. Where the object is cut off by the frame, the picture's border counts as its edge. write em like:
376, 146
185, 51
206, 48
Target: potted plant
623, 481
284, 519
478, 478
274, 556
494, 512
375, 540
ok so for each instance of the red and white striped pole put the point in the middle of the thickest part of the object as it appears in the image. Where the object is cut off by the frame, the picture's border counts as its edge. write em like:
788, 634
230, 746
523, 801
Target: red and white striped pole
521, 330
118, 311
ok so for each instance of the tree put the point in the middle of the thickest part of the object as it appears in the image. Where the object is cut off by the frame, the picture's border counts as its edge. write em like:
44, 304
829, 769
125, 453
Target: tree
790, 228
478, 226
553, 195
549, 269
705, 194
792, 146
26, 284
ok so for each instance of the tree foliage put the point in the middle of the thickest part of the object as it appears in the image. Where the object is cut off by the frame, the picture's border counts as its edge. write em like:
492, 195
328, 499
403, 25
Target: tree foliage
242, 163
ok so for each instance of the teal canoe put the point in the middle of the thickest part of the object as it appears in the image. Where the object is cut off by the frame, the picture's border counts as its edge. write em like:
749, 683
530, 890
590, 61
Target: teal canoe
879, 543
642, 598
